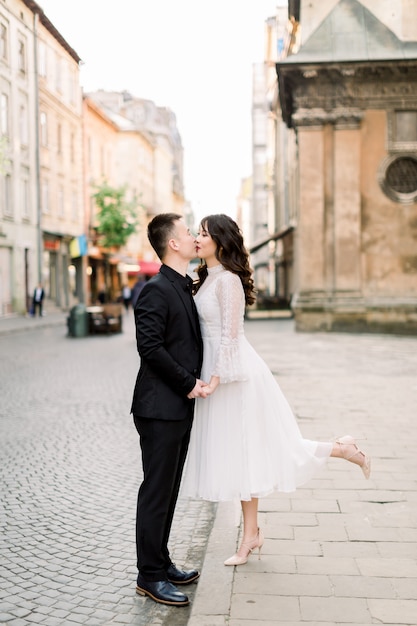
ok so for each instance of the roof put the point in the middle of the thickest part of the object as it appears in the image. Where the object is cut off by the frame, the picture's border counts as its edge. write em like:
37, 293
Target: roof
351, 33
35, 8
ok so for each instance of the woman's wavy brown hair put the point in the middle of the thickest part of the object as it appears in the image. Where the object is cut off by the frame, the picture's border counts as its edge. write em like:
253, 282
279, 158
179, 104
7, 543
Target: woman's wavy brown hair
230, 252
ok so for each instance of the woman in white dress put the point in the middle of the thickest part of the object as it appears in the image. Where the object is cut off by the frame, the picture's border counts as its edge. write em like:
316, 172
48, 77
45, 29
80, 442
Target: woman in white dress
245, 442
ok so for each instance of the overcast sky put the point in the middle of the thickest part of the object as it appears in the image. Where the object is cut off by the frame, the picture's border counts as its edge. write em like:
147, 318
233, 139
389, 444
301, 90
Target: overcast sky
191, 56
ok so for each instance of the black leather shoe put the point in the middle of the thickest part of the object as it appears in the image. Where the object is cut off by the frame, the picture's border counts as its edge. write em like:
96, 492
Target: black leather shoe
161, 591
181, 577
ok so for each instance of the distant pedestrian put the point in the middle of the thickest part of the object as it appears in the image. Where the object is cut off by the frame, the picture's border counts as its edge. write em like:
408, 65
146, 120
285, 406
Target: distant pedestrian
38, 296
127, 296
101, 296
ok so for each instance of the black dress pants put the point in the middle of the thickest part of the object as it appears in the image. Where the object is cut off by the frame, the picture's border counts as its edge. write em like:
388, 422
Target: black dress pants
164, 446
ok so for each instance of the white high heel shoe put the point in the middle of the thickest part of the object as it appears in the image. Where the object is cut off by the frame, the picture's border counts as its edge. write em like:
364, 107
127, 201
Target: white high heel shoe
249, 546
349, 450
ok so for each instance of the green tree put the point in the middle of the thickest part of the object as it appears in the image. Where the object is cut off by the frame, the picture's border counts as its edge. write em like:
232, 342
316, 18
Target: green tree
116, 218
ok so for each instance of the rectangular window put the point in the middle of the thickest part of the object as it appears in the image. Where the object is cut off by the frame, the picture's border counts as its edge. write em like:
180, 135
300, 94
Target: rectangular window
42, 59
406, 126
21, 56
402, 131
93, 211
72, 148
45, 196
24, 192
74, 206
61, 206
58, 81
259, 128
59, 139
72, 82
23, 126
8, 208
43, 121
90, 151
3, 42
62, 75
4, 114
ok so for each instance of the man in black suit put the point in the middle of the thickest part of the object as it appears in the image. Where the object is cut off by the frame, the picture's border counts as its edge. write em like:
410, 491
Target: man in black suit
170, 348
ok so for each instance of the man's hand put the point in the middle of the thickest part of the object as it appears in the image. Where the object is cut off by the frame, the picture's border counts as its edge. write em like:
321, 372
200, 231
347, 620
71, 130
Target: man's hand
200, 390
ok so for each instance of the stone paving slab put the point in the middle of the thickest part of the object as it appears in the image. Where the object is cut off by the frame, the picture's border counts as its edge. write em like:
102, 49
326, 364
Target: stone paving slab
274, 622
393, 611
265, 607
285, 584
340, 550
331, 610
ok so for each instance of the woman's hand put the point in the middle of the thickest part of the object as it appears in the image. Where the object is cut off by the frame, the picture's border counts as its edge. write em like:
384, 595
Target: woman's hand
213, 384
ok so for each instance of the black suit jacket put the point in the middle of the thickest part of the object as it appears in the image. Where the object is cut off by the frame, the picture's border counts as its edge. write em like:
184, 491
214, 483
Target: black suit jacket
170, 347
42, 295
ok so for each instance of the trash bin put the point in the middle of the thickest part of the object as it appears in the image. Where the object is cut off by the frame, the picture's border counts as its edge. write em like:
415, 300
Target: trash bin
78, 321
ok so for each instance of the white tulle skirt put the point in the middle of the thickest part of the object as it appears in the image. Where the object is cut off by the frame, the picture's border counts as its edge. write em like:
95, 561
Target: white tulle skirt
245, 441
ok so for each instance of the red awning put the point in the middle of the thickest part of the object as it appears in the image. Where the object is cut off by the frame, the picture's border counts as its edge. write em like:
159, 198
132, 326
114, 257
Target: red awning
147, 267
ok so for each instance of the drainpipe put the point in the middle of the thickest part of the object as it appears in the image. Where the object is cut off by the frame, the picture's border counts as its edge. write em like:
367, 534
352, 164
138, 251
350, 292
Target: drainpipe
37, 149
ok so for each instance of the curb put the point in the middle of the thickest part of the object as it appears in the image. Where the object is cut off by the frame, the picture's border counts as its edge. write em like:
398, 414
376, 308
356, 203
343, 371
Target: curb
211, 605
11, 326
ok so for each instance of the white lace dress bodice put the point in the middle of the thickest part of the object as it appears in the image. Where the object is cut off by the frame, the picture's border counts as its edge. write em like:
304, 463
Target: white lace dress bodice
245, 441
221, 307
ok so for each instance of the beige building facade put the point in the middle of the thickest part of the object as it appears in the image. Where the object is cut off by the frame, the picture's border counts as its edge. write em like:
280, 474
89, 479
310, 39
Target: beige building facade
145, 158
158, 124
347, 95
116, 154
56, 146
60, 155
41, 181
99, 142
272, 215
148, 161
18, 218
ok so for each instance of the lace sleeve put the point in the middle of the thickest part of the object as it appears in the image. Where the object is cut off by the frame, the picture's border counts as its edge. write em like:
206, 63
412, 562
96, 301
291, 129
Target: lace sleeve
229, 364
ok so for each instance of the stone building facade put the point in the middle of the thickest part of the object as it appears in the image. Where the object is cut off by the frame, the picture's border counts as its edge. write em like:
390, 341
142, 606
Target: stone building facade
60, 162
145, 156
41, 182
263, 228
54, 146
18, 218
160, 126
348, 96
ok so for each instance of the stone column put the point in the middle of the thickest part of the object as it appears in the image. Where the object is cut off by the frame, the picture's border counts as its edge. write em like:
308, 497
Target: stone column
347, 211
310, 223
329, 221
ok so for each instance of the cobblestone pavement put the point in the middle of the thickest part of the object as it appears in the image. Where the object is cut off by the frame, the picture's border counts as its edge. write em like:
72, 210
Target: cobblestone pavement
340, 550
69, 471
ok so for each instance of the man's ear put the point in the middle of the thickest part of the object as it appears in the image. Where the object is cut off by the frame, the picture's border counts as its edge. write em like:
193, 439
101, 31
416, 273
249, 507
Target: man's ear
173, 244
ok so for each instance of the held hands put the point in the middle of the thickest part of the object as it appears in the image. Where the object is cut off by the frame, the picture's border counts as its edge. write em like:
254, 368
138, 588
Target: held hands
198, 390
202, 389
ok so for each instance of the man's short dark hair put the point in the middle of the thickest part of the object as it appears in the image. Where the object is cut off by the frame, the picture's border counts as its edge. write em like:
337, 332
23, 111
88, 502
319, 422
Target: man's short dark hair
160, 231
